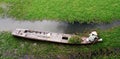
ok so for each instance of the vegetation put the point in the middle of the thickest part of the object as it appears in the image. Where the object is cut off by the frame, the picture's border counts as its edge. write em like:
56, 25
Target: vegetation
62, 10
65, 10
13, 48
1, 11
75, 40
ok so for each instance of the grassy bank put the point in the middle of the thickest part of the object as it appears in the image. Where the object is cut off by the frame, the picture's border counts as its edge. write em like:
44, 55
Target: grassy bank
1, 11
65, 10
11, 47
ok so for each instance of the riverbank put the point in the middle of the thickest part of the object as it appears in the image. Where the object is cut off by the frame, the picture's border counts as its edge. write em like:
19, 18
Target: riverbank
68, 10
11, 47
82, 11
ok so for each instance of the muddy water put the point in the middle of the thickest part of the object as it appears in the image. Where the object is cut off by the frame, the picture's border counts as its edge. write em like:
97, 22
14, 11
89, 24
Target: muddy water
10, 24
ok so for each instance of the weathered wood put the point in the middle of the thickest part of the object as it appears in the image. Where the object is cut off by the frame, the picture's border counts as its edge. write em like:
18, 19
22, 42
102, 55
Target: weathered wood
45, 36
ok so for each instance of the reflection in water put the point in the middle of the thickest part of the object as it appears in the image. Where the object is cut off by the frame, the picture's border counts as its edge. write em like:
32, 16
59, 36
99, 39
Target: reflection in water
79, 28
9, 24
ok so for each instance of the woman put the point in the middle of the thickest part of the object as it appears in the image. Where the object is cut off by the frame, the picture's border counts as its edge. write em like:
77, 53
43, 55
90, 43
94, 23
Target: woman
93, 36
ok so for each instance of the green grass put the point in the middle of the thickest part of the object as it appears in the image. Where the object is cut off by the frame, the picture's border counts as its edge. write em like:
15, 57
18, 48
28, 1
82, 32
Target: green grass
65, 10
75, 40
11, 47
62, 10
1, 11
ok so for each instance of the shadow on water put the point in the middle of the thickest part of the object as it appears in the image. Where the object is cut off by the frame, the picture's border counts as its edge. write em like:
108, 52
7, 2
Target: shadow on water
10, 24
81, 27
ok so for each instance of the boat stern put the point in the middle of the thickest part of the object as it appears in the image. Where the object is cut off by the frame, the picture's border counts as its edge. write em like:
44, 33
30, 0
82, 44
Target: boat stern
18, 32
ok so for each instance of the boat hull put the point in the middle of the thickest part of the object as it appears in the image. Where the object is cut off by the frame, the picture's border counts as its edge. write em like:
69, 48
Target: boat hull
47, 36
43, 36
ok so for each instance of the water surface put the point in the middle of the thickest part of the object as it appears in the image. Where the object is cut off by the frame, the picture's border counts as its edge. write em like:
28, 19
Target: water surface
10, 24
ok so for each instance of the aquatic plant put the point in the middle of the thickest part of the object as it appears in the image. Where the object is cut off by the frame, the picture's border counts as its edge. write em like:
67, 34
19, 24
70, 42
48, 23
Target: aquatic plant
75, 39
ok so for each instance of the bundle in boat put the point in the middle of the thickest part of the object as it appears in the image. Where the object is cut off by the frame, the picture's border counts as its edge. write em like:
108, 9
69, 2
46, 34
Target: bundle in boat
51, 37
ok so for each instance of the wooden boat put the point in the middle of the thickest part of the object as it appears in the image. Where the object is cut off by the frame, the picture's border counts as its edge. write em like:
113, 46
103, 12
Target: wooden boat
44, 36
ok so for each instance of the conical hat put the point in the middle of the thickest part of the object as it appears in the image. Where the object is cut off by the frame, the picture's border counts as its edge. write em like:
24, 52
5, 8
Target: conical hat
94, 32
